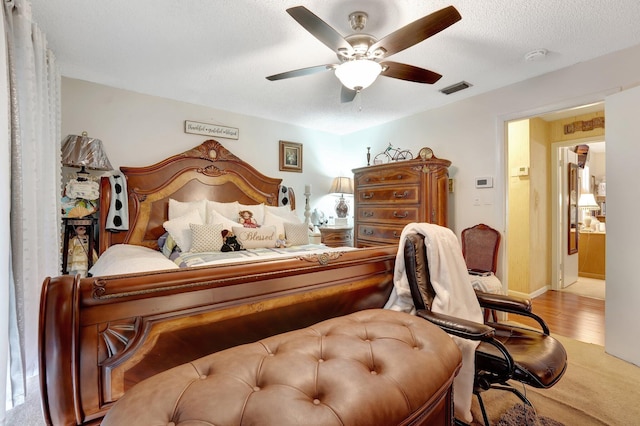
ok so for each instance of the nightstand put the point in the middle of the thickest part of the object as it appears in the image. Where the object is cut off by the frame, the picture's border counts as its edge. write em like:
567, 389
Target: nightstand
337, 236
70, 224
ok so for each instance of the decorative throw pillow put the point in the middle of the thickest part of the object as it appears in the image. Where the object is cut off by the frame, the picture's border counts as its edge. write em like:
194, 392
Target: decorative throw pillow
228, 210
297, 233
256, 237
206, 237
180, 208
246, 219
167, 244
256, 209
180, 230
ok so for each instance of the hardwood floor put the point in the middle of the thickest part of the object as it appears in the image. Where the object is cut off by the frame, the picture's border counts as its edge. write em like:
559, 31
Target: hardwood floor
570, 315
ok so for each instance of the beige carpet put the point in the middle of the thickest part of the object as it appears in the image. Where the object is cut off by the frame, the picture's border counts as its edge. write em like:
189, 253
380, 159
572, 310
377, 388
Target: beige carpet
596, 389
589, 287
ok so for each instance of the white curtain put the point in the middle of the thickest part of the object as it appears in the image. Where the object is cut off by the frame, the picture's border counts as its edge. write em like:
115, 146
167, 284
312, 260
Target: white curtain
32, 189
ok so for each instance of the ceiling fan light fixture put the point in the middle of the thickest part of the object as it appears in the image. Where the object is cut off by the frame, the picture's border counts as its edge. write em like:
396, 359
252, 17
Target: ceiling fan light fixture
358, 74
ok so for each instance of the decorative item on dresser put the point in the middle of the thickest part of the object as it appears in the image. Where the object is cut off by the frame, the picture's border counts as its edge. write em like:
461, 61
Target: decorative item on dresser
389, 196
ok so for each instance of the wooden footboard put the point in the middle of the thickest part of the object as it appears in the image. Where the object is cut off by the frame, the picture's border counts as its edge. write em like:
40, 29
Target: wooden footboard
100, 336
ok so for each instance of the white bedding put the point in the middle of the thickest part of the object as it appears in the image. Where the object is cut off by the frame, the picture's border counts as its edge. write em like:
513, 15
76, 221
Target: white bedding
127, 258
124, 258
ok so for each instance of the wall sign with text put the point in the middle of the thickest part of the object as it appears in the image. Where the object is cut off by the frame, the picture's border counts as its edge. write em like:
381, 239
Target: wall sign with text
205, 129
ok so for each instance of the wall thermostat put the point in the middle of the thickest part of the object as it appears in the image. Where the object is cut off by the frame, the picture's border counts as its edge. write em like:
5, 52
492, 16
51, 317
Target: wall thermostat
484, 182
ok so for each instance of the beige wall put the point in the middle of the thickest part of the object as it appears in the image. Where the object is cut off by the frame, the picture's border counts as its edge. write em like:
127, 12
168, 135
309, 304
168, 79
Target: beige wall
540, 196
529, 218
518, 214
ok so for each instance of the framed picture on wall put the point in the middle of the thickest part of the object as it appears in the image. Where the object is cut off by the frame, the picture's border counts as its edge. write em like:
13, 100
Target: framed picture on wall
573, 208
290, 156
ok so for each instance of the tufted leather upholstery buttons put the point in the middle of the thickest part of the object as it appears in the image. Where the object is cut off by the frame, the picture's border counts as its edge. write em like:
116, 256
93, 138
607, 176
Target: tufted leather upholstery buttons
373, 367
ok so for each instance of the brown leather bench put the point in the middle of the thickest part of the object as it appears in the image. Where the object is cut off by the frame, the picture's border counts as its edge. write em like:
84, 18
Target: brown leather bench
373, 367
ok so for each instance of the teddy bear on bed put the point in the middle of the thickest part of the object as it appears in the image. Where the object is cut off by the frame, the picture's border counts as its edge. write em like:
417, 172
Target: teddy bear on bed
230, 241
281, 242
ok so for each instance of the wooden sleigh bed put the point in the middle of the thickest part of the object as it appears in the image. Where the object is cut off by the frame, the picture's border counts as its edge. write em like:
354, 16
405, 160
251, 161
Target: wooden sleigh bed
101, 335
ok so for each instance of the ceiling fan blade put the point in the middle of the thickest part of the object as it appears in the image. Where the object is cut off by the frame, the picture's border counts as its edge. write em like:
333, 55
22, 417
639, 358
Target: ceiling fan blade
347, 95
408, 72
416, 31
301, 72
321, 30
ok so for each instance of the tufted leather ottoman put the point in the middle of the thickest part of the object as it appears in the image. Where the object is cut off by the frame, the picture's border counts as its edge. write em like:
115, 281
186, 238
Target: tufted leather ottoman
373, 367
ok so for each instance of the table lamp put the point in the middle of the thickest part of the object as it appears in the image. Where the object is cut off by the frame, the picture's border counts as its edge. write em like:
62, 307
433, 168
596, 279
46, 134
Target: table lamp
84, 152
342, 185
587, 203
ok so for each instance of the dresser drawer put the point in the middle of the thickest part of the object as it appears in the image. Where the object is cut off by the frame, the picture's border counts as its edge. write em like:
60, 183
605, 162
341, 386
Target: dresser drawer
381, 233
389, 195
388, 177
388, 214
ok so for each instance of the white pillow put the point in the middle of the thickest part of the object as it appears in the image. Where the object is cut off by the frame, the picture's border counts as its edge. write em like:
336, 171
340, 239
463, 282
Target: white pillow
180, 208
256, 209
284, 212
125, 259
181, 231
228, 210
277, 210
215, 217
271, 219
297, 234
206, 237
256, 237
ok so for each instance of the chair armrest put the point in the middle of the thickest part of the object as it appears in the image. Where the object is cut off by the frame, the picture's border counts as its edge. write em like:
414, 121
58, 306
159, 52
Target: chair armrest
458, 327
511, 304
502, 302
472, 331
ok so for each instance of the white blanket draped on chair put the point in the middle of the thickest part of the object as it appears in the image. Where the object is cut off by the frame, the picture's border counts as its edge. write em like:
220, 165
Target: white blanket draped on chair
454, 296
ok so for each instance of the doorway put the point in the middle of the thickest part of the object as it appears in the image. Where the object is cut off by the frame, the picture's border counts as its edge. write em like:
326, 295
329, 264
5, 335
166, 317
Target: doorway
546, 231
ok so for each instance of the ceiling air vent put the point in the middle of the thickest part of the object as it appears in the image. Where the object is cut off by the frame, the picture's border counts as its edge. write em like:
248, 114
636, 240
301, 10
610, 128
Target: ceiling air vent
455, 88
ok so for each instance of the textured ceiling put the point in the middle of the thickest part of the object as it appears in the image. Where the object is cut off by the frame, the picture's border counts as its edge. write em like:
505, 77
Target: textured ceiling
218, 52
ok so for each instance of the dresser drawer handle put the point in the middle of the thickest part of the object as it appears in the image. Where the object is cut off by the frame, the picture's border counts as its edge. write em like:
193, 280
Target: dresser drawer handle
400, 177
405, 194
401, 216
396, 235
367, 231
367, 196
367, 214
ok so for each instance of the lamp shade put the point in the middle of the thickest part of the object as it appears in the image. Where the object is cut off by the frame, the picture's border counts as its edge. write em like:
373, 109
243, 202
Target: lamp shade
83, 151
358, 74
588, 202
341, 185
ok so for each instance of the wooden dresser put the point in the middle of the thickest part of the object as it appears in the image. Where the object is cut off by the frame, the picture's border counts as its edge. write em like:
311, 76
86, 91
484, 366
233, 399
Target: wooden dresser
389, 196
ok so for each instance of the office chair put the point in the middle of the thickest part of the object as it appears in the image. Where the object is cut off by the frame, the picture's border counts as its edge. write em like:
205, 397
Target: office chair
506, 352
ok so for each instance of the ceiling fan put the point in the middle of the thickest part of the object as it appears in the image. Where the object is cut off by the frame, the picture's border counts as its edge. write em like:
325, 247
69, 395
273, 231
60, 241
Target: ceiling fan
362, 56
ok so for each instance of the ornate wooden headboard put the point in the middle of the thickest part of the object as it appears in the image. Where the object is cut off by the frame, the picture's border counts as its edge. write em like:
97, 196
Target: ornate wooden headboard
208, 171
